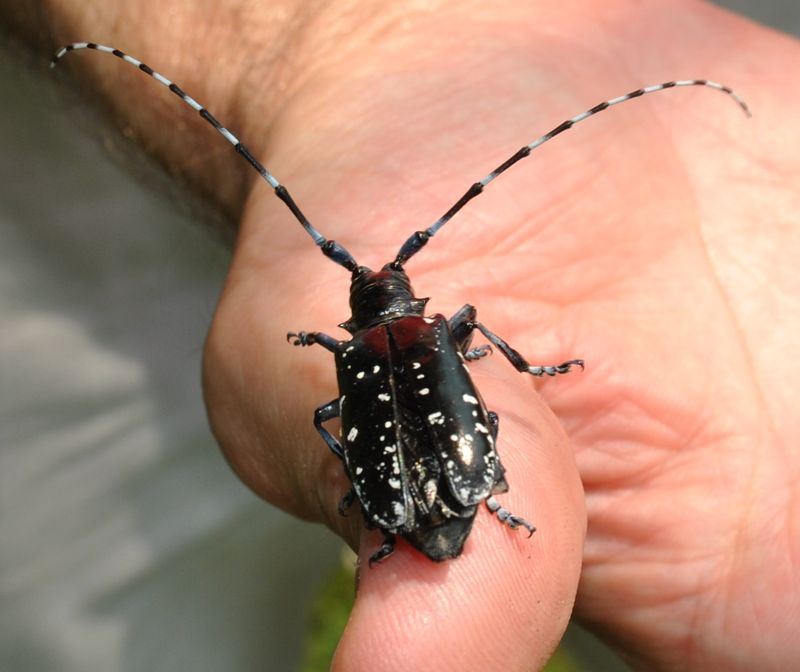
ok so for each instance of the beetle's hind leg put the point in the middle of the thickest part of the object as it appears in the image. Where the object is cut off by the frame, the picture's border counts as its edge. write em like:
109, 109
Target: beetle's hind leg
505, 516
386, 549
347, 501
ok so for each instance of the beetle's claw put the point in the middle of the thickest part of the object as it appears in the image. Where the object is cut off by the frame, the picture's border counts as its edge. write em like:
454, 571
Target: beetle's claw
300, 338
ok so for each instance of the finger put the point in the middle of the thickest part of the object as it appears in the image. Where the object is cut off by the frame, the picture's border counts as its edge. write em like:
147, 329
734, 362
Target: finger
505, 602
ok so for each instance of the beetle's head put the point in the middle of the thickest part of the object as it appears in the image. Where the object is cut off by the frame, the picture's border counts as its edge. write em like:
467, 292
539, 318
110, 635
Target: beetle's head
380, 296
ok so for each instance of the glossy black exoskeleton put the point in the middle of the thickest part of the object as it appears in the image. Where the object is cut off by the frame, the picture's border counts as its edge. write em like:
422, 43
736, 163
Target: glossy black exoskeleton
417, 441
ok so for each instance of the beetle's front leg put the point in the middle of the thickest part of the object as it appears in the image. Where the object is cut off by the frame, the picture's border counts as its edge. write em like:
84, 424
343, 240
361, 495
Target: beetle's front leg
303, 338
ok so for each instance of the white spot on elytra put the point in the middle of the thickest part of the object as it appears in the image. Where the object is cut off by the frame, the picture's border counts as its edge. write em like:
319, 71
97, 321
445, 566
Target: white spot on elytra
481, 428
360, 374
436, 418
420, 376
415, 365
424, 391
376, 368
387, 424
465, 451
352, 434
394, 483
469, 399
384, 397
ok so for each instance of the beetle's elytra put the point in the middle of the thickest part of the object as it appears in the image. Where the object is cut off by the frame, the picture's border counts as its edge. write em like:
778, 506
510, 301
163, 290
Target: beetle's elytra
417, 441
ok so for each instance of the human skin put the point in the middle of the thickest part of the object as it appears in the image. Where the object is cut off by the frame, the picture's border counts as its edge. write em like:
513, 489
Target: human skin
657, 241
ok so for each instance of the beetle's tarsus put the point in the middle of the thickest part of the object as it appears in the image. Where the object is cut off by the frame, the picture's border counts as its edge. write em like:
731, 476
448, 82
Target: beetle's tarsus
553, 370
386, 549
300, 338
478, 352
505, 516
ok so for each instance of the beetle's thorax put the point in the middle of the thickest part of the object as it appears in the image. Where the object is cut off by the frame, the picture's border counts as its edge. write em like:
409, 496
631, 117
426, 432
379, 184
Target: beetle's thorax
377, 297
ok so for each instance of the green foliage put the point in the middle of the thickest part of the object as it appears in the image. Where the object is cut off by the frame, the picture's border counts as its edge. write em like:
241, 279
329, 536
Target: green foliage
328, 615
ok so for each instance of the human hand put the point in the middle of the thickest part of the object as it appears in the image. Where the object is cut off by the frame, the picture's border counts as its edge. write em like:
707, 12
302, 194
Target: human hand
657, 243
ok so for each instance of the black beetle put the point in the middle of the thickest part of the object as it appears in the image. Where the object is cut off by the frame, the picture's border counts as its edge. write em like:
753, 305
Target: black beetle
417, 441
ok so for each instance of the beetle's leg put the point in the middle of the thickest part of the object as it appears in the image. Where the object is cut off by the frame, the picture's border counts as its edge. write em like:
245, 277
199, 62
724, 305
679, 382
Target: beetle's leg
463, 324
500, 485
386, 549
494, 420
462, 327
312, 337
324, 413
505, 516
518, 361
478, 352
347, 501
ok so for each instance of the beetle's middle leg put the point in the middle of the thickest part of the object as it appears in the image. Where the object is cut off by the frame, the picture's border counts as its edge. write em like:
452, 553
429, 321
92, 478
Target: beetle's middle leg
324, 413
463, 325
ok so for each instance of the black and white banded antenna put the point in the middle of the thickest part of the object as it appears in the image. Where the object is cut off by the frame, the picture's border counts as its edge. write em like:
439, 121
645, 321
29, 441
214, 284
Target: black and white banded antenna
330, 248
418, 240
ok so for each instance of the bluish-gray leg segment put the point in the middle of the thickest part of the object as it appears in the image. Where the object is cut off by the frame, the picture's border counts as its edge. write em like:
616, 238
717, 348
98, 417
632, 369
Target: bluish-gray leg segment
324, 413
312, 337
476, 353
505, 516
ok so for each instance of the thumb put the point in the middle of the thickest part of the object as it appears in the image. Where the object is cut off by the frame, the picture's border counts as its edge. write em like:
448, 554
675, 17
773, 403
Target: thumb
505, 602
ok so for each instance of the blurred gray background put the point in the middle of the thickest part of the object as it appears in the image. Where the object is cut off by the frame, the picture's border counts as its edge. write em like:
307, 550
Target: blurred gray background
125, 540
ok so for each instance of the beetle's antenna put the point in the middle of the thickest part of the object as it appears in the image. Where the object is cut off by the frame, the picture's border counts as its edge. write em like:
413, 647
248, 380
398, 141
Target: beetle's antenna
418, 240
329, 248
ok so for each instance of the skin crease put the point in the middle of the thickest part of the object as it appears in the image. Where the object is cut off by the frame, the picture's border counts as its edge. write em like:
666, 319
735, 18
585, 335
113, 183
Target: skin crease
658, 241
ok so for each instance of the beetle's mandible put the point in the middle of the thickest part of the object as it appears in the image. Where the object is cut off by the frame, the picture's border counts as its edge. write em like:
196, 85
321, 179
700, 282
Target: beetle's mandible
417, 441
